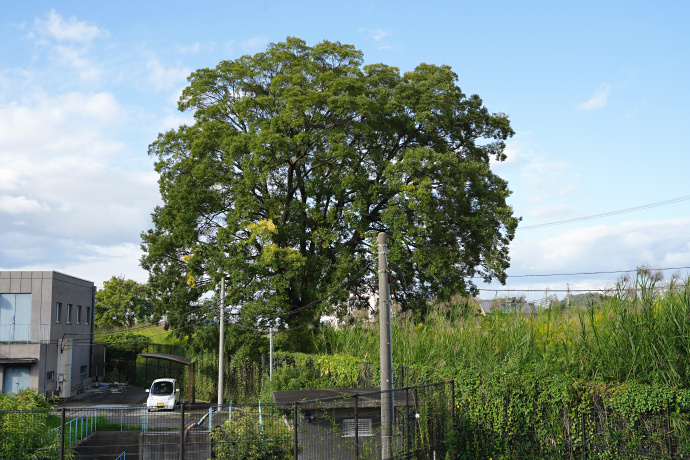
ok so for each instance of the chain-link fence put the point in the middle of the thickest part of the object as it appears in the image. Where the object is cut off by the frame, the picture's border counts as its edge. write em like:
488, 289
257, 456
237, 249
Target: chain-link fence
590, 431
344, 427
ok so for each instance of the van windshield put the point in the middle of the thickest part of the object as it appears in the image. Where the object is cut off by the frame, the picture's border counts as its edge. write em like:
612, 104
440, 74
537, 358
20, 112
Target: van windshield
162, 388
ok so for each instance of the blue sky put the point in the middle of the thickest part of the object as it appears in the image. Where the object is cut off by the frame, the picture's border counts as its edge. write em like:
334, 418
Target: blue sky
597, 93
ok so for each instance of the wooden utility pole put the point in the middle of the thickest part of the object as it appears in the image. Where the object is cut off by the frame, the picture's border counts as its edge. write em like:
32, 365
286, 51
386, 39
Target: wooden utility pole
386, 353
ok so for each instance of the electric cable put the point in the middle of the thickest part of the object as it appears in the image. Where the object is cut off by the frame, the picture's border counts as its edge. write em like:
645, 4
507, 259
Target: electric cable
586, 273
607, 214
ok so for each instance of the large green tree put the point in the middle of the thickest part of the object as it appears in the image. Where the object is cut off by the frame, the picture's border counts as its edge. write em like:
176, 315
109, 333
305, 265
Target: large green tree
297, 158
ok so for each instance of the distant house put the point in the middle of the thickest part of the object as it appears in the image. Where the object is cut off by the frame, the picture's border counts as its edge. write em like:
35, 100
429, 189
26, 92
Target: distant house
46, 332
507, 305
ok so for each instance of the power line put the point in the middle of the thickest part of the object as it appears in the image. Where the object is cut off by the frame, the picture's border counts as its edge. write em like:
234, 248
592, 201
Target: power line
87, 342
607, 214
544, 290
588, 273
342, 286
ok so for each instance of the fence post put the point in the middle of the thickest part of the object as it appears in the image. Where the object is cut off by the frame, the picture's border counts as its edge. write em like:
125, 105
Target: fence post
62, 434
452, 401
407, 418
584, 436
668, 432
295, 448
356, 396
182, 431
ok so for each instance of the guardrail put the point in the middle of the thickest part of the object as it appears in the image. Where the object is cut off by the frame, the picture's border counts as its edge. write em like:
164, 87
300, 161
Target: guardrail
77, 428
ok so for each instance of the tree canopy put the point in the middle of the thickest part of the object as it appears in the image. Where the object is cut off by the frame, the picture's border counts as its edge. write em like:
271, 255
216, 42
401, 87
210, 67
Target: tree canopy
297, 158
122, 302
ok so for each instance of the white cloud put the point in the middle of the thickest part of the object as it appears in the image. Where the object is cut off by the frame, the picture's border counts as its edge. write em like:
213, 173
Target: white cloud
163, 78
632, 113
67, 30
619, 246
98, 265
20, 205
68, 183
9, 179
42, 125
67, 43
377, 34
175, 121
514, 152
553, 212
74, 58
599, 248
599, 100
190, 49
254, 44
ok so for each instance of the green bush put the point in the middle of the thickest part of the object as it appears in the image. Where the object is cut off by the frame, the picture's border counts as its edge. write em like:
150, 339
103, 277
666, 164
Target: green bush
25, 427
243, 437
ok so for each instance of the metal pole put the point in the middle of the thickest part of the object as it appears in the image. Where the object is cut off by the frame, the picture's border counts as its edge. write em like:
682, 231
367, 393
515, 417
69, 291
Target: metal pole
386, 354
270, 361
295, 447
62, 434
407, 418
356, 429
221, 341
182, 431
452, 401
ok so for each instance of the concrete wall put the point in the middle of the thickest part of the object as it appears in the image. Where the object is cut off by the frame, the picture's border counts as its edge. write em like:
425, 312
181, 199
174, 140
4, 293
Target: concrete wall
140, 445
109, 445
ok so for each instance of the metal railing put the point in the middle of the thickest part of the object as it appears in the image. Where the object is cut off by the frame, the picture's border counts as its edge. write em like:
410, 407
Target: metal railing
24, 333
76, 429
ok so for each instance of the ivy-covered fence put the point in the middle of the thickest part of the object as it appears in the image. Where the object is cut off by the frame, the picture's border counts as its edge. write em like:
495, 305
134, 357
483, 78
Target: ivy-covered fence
510, 417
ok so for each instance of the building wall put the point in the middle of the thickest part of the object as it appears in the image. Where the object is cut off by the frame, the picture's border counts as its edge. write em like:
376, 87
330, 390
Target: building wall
52, 338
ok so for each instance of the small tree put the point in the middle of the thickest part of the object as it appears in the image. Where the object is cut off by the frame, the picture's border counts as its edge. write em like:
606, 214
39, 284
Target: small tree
122, 302
244, 437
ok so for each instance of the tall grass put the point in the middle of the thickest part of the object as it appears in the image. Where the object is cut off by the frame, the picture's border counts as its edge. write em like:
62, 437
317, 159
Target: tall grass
640, 332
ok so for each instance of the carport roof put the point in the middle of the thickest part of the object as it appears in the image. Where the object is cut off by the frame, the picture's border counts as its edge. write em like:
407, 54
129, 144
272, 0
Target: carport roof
167, 357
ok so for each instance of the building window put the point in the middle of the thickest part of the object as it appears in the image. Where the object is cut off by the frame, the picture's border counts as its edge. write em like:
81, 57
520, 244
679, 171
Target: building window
50, 376
363, 427
78, 314
88, 315
15, 317
69, 313
58, 311
82, 370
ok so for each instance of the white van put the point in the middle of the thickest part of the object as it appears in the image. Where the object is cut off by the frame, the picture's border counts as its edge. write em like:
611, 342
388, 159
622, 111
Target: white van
163, 394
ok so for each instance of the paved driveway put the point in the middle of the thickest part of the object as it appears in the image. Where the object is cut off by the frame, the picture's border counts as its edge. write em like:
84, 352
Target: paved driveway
126, 396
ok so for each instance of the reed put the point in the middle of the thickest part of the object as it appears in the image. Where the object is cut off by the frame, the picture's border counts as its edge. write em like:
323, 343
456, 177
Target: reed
641, 333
